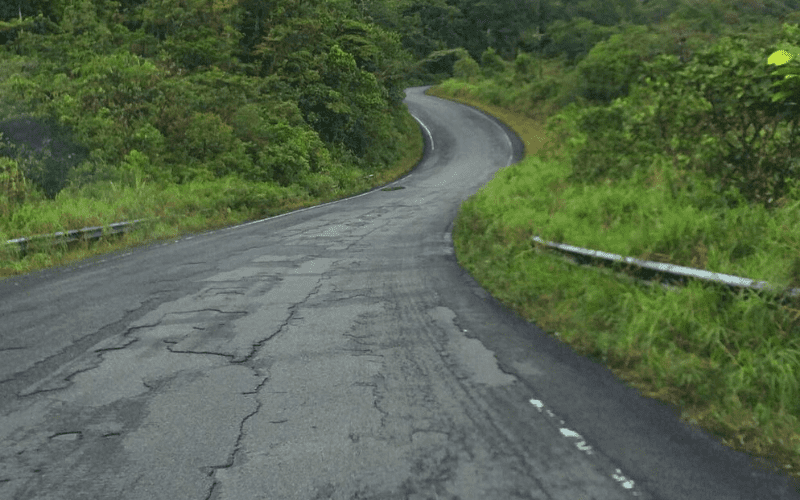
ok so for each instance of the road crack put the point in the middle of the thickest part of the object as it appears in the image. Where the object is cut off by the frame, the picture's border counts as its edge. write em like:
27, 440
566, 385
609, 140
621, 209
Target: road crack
208, 353
230, 462
255, 347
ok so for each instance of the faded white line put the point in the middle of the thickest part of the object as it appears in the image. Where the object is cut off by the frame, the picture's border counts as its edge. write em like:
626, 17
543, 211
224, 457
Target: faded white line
430, 136
581, 444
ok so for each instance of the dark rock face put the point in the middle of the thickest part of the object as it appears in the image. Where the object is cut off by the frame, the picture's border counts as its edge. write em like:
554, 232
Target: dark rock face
44, 149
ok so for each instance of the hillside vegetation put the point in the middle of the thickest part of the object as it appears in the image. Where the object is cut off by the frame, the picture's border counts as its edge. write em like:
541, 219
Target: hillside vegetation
687, 158
202, 113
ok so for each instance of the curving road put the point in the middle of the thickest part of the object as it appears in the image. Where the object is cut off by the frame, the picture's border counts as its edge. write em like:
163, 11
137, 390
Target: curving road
335, 352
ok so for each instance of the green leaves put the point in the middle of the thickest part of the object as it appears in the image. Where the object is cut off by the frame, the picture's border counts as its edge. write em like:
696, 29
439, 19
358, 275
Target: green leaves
466, 68
788, 62
717, 113
575, 38
339, 106
79, 16
781, 57
196, 33
491, 63
612, 65
171, 101
208, 135
289, 156
211, 141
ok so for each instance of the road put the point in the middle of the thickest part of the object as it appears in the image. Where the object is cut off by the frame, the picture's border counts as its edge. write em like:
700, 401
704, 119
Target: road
335, 352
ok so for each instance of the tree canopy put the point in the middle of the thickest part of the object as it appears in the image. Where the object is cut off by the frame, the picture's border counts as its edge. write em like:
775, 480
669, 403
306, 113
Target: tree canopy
174, 90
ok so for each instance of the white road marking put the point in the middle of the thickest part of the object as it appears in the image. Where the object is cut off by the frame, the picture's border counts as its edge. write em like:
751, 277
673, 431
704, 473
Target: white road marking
430, 136
581, 444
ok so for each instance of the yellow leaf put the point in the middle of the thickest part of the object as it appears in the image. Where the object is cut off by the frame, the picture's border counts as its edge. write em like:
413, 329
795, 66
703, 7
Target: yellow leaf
780, 57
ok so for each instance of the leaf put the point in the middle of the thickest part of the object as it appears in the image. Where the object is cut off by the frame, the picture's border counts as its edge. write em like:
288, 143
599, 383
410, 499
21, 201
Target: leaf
779, 58
780, 96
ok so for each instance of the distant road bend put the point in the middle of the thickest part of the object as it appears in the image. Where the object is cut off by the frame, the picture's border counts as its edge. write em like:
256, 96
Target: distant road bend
337, 352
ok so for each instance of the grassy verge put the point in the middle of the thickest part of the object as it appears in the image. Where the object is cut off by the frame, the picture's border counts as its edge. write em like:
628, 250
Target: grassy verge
181, 209
728, 363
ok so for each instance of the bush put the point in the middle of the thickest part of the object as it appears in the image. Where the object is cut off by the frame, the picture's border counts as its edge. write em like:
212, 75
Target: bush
211, 142
466, 68
288, 157
491, 63
574, 38
719, 113
525, 67
134, 169
149, 140
613, 65
319, 185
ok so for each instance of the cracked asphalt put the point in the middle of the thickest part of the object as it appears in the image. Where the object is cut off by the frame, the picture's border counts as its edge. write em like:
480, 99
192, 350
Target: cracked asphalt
337, 352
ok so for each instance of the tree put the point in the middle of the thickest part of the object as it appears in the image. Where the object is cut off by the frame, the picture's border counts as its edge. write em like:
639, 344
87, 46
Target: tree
575, 38
466, 68
612, 65
196, 33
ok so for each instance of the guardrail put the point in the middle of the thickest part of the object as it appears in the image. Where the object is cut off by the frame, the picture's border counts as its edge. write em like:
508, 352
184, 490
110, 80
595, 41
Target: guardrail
641, 269
86, 233
660, 271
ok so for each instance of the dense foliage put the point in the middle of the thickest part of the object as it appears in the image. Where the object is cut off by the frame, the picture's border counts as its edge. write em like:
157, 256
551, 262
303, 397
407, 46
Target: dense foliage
718, 113
180, 90
272, 90
695, 87
298, 91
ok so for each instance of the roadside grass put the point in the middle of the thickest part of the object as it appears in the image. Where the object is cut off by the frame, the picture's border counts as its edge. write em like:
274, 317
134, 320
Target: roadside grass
179, 209
729, 363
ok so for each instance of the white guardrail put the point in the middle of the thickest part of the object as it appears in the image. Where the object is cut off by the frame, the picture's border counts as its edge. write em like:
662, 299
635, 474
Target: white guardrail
647, 270
661, 271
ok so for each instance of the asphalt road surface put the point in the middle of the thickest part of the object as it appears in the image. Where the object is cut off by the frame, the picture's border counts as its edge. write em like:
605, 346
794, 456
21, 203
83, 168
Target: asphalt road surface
335, 352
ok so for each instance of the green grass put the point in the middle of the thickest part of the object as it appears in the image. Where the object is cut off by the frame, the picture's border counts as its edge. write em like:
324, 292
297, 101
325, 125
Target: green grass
728, 363
180, 209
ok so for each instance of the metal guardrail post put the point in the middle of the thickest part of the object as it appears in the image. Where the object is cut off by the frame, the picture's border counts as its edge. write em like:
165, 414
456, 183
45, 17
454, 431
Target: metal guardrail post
86, 233
665, 272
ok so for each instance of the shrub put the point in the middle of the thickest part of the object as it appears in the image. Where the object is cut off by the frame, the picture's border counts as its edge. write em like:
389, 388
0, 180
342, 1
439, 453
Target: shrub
466, 68
149, 140
208, 135
319, 185
612, 65
211, 142
491, 63
524, 67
